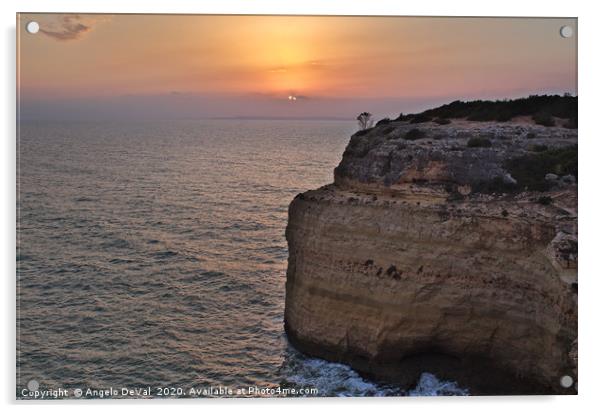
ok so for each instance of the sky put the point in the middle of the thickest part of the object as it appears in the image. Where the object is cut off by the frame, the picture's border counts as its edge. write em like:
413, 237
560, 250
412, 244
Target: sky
201, 66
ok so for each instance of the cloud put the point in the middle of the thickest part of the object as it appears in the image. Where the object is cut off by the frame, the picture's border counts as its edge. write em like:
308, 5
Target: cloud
307, 65
69, 26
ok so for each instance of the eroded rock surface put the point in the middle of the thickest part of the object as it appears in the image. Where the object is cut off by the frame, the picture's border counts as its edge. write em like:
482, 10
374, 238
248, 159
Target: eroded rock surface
438, 252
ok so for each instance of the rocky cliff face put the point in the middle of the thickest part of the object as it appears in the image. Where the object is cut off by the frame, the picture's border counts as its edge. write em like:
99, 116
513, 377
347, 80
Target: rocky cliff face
450, 249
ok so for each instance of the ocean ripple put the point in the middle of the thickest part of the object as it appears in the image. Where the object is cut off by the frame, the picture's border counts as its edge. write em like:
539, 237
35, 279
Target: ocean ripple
153, 254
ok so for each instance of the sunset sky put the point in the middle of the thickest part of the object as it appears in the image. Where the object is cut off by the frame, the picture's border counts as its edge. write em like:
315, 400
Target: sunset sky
177, 66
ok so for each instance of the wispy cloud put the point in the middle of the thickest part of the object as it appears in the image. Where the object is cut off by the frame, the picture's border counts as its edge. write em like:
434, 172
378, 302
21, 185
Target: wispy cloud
70, 26
302, 66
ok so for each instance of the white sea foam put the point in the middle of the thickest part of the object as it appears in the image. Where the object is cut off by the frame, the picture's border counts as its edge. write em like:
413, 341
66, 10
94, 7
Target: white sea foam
430, 385
335, 379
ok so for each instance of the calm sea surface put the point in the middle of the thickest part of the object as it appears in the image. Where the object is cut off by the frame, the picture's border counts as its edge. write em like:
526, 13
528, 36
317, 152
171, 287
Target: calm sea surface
153, 254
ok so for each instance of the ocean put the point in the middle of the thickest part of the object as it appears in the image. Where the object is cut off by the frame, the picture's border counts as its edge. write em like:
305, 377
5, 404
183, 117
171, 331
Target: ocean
152, 254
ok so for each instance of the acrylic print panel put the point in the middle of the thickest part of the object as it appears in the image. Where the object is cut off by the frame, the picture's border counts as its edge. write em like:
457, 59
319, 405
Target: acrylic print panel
296, 206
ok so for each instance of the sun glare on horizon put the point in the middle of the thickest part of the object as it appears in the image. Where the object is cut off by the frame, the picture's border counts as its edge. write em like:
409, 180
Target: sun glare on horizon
250, 64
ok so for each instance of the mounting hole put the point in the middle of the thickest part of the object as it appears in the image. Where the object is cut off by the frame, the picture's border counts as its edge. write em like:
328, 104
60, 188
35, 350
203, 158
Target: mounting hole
33, 385
566, 31
32, 27
566, 381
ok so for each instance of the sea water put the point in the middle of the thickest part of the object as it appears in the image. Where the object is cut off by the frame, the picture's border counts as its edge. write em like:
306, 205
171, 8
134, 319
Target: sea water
151, 255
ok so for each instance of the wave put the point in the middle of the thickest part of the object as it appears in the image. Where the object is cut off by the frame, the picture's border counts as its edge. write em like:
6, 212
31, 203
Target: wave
339, 380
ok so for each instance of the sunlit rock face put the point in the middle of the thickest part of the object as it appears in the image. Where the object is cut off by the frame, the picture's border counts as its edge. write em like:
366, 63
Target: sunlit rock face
449, 249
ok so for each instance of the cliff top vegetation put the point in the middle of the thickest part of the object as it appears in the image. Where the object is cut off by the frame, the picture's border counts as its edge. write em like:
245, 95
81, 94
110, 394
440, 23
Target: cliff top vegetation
541, 108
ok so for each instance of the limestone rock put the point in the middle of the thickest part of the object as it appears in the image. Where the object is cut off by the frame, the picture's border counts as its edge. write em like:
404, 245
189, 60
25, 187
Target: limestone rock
424, 257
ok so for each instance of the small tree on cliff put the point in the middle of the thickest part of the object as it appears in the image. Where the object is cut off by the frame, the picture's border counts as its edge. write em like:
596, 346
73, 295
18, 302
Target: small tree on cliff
364, 120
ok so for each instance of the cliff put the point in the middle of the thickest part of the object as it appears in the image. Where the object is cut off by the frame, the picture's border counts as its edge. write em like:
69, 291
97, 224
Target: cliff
449, 249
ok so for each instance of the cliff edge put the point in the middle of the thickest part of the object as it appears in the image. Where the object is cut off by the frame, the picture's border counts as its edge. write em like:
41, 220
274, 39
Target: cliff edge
447, 247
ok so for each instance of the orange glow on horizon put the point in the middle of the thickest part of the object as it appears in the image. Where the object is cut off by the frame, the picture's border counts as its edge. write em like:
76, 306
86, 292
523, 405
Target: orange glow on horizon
315, 57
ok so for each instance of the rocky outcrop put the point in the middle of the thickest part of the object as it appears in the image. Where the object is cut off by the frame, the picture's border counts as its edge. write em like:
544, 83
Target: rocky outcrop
447, 249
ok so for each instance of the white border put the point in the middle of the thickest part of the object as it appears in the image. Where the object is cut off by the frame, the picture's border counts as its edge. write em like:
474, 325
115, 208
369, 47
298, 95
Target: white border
590, 183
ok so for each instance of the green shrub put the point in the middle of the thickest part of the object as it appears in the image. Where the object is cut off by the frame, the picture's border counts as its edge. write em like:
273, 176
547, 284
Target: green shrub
504, 116
554, 106
383, 121
362, 132
401, 117
537, 148
420, 118
543, 119
442, 121
530, 170
495, 186
544, 200
477, 142
414, 134
571, 123
501, 110
480, 115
